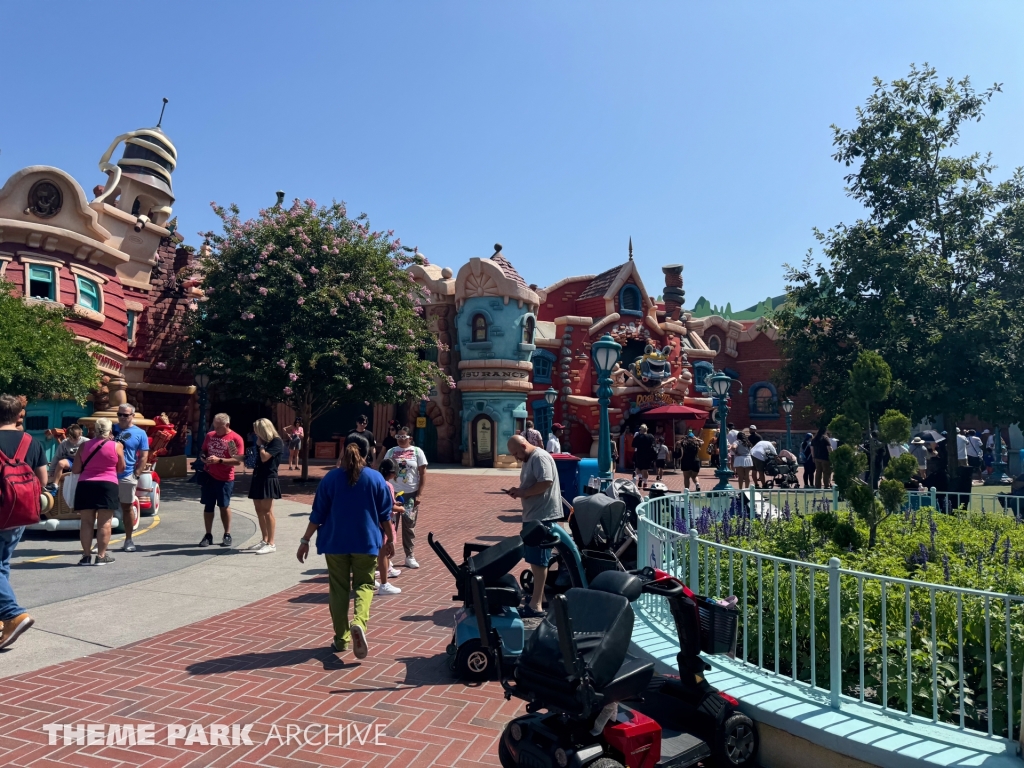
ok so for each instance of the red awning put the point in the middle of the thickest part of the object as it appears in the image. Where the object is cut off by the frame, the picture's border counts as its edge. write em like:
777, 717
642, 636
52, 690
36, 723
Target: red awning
677, 412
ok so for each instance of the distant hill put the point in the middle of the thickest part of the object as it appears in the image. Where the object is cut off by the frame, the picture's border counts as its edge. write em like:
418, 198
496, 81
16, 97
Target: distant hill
705, 308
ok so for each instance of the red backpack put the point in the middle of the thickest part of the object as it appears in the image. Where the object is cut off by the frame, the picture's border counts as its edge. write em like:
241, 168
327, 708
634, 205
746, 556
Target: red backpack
19, 489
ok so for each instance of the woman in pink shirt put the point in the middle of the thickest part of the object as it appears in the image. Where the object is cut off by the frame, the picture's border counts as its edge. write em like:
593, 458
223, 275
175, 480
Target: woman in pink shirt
97, 464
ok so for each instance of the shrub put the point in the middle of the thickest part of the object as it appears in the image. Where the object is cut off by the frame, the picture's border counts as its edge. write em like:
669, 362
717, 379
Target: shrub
846, 536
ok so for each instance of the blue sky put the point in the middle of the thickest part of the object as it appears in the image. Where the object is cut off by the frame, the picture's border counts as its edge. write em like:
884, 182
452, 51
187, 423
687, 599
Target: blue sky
701, 130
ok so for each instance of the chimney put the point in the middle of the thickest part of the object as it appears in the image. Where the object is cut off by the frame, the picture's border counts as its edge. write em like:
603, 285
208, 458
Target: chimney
674, 294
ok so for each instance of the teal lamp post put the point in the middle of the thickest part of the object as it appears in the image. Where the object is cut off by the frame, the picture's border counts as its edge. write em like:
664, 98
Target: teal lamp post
720, 384
605, 354
550, 396
787, 406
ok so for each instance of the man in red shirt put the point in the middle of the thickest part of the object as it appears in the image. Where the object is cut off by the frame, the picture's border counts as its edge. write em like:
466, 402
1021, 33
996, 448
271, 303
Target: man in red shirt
220, 450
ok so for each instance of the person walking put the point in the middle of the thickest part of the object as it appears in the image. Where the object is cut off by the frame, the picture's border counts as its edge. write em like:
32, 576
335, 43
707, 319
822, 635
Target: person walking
661, 460
821, 451
351, 519
98, 465
411, 468
533, 435
135, 447
644, 454
807, 460
15, 444
741, 460
361, 430
265, 487
390, 441
294, 433
730, 440
220, 452
541, 497
690, 461
677, 455
385, 570
554, 444
64, 458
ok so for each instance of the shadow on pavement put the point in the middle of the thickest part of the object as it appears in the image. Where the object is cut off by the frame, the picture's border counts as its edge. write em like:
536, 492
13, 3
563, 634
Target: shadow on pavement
442, 617
317, 598
510, 518
251, 661
427, 670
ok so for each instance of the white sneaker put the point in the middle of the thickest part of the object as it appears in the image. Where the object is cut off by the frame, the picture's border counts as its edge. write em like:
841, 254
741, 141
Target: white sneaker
256, 547
266, 549
359, 641
388, 589
410, 562
393, 573
376, 584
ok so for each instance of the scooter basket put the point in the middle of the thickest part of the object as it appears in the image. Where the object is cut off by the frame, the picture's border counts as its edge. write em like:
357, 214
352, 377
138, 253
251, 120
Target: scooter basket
718, 627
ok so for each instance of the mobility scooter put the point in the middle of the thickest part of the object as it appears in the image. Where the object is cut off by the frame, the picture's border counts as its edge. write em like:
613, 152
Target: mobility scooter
585, 699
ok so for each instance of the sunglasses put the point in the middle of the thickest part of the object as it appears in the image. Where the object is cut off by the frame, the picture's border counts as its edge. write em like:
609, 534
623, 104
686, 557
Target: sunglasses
124, 415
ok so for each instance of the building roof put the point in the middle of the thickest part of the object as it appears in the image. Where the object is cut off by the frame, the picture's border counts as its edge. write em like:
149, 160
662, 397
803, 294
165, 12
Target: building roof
600, 284
508, 270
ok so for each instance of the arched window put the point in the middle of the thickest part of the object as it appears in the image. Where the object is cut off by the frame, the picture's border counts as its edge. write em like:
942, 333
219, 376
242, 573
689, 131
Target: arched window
764, 402
479, 328
529, 326
89, 295
701, 370
630, 300
715, 344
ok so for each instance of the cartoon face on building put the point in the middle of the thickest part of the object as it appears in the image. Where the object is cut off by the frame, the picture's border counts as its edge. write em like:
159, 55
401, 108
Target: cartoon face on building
653, 366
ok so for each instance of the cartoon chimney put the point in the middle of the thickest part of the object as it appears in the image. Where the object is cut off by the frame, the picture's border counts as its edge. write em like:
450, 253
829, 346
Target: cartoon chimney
674, 294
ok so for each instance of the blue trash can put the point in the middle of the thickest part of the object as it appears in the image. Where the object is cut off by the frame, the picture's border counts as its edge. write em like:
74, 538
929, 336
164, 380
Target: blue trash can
588, 469
568, 474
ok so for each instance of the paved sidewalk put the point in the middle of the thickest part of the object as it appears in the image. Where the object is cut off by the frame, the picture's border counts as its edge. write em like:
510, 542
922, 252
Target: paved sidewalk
266, 664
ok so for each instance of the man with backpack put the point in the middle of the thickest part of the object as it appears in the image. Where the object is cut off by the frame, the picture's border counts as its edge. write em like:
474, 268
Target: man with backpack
22, 477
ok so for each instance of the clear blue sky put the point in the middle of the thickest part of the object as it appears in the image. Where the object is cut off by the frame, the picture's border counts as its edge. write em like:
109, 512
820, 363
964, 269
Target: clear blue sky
558, 129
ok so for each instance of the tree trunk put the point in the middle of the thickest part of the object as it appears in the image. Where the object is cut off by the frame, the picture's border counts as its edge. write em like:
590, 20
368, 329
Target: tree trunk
872, 535
871, 448
952, 464
307, 422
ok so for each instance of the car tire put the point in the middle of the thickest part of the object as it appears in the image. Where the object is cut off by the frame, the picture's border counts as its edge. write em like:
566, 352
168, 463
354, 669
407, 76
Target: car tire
736, 742
473, 662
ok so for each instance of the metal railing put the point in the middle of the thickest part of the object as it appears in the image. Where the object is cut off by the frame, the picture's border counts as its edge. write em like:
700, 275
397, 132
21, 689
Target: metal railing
844, 633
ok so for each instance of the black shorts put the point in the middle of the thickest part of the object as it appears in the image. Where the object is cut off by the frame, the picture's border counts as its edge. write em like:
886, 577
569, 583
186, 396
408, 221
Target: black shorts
660, 463
96, 494
643, 465
758, 464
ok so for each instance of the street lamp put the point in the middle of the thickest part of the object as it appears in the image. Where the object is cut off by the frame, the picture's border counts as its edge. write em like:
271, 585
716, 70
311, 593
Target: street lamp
605, 353
720, 385
202, 381
787, 406
549, 397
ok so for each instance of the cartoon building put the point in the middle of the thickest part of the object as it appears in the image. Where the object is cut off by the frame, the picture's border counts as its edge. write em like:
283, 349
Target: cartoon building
113, 262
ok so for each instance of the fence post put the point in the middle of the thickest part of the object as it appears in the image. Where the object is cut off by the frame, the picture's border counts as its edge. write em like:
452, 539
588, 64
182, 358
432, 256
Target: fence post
687, 517
835, 640
753, 514
694, 562
934, 497
835, 499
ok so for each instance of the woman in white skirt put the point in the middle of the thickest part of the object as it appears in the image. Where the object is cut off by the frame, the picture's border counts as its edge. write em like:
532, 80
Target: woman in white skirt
742, 462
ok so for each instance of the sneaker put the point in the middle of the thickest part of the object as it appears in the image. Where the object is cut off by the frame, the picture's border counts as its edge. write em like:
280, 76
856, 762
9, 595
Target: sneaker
86, 560
359, 641
388, 589
227, 540
336, 649
410, 562
376, 584
697, 486
393, 573
13, 628
256, 547
51, 489
266, 549
129, 546
527, 612
207, 540
105, 560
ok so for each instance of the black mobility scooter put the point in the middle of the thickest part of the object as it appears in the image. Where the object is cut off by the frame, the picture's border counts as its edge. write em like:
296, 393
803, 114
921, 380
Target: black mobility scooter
584, 696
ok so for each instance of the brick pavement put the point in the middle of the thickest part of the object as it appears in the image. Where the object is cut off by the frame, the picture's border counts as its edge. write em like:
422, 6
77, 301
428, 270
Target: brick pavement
267, 663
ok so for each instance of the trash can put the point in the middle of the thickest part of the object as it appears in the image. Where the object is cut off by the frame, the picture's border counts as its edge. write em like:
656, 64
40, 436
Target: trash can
568, 474
588, 470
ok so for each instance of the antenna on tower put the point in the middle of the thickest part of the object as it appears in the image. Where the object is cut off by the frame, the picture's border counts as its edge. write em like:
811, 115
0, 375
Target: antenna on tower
162, 113
631, 248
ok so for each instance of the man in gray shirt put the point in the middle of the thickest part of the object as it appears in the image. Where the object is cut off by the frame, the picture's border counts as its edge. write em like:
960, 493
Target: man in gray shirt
542, 500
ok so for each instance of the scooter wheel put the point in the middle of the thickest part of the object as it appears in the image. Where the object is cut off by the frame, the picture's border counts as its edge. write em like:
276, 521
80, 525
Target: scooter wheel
473, 662
505, 757
526, 581
606, 762
736, 742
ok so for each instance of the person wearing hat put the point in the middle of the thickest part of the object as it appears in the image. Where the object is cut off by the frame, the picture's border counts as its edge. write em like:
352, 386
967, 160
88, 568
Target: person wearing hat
919, 450
555, 439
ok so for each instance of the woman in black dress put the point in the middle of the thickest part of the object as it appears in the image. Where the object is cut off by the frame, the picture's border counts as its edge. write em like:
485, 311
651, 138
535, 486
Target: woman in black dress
265, 486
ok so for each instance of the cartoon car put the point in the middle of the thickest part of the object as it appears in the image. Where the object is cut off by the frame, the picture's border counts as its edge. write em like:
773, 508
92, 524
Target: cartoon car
63, 518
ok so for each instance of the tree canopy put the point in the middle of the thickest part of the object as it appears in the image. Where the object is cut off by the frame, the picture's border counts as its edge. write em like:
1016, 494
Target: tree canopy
39, 355
308, 307
930, 278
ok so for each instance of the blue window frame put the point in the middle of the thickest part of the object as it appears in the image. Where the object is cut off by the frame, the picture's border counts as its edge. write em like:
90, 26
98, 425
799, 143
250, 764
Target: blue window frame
42, 282
764, 401
543, 418
701, 370
543, 363
131, 326
630, 300
89, 294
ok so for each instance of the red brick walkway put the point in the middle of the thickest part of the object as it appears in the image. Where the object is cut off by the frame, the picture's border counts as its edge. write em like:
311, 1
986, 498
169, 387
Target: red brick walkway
266, 664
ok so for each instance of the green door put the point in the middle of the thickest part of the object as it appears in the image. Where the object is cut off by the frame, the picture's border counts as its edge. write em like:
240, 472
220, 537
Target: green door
42, 415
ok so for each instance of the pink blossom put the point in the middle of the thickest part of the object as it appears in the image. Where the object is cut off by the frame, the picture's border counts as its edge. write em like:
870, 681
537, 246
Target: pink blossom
161, 366
301, 301
334, 311
253, 275
289, 345
348, 386
282, 363
314, 271
389, 379
366, 366
293, 376
263, 291
287, 390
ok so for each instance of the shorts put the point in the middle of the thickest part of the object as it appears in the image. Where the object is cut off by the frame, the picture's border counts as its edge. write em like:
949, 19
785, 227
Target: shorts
216, 493
295, 444
96, 494
126, 488
643, 465
758, 464
660, 463
536, 555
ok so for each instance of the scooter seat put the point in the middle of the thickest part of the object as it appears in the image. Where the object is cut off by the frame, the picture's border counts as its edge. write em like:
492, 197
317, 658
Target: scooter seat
505, 593
631, 680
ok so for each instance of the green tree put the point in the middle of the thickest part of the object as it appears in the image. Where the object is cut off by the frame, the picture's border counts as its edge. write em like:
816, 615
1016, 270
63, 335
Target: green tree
921, 279
308, 307
39, 355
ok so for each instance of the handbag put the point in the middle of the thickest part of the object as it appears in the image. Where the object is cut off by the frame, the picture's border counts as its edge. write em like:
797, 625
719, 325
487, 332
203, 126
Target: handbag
199, 472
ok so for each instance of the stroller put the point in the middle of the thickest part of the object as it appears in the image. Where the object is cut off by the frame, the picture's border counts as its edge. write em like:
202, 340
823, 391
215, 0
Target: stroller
781, 473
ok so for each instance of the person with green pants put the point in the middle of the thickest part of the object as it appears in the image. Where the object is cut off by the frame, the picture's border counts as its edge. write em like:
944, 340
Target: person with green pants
352, 520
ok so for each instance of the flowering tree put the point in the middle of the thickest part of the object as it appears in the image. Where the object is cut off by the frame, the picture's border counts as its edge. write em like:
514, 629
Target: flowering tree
308, 307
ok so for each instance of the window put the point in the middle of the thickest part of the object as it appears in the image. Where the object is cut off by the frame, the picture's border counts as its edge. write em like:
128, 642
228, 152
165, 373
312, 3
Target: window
630, 300
543, 418
529, 326
764, 402
42, 283
131, 326
479, 328
715, 344
543, 362
89, 294
36, 423
701, 370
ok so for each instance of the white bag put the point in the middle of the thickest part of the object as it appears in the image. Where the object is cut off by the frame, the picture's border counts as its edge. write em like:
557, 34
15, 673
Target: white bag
69, 486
